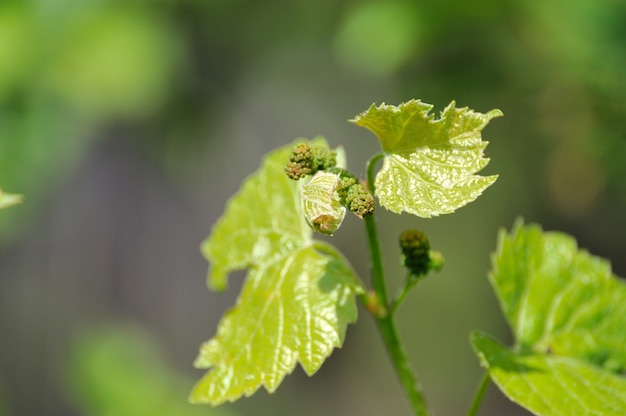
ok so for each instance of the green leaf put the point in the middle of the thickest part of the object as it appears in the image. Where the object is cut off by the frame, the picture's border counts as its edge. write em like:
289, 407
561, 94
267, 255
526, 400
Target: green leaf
7, 200
430, 164
558, 298
296, 301
552, 385
567, 312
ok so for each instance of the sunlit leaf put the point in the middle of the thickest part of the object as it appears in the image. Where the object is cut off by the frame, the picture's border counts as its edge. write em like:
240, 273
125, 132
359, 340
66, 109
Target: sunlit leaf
567, 312
296, 301
430, 164
552, 385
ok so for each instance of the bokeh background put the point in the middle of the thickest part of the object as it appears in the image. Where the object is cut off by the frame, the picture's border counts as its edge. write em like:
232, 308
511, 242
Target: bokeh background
128, 124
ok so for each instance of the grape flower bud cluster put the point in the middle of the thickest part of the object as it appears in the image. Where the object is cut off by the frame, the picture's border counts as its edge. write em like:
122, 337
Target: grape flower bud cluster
353, 195
415, 251
306, 160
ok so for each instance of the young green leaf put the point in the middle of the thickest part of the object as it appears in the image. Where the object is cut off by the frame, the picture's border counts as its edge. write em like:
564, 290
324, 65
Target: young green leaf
430, 164
7, 200
322, 209
568, 315
552, 385
296, 301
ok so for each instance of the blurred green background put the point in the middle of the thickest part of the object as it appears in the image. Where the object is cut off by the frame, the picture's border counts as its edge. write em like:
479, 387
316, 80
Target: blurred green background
128, 124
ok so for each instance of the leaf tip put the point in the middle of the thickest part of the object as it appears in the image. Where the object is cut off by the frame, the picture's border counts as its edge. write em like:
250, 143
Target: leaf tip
358, 118
216, 279
8, 200
494, 114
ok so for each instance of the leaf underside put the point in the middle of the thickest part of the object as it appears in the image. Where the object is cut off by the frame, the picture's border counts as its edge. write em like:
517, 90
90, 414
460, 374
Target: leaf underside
296, 301
567, 312
429, 165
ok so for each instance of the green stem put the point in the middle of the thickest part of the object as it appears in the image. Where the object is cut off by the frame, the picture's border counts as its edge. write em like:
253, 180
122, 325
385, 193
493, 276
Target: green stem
409, 382
370, 171
480, 394
409, 283
386, 326
377, 271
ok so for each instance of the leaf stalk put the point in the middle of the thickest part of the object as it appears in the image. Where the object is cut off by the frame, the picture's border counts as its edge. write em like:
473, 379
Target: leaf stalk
370, 171
410, 282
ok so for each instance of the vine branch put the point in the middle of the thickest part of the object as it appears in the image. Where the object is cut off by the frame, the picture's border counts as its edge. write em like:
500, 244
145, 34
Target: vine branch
384, 320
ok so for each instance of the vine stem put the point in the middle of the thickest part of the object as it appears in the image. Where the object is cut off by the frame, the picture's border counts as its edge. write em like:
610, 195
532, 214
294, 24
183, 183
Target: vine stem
387, 327
410, 283
384, 319
480, 394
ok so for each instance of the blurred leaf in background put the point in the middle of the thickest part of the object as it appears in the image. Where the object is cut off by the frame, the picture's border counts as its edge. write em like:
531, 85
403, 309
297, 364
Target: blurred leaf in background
113, 60
17, 40
96, 59
578, 51
7, 200
117, 370
376, 38
67, 70
120, 119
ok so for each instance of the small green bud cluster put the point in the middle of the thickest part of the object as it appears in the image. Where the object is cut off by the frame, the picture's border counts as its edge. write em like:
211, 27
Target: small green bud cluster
353, 195
416, 251
306, 160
